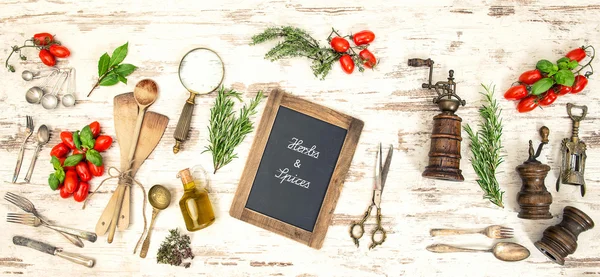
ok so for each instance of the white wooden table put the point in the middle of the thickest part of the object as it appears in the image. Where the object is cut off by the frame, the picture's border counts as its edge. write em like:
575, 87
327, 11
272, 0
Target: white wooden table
483, 41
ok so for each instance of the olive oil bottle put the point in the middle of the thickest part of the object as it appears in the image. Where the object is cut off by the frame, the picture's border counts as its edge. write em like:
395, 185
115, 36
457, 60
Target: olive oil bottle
195, 206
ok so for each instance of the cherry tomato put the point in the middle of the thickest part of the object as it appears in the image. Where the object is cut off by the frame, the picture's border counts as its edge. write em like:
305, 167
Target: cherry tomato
47, 58
527, 104
59, 51
77, 151
95, 170
579, 84
530, 77
340, 44
42, 38
102, 143
548, 98
60, 150
516, 93
369, 60
82, 192
67, 139
71, 181
95, 127
363, 37
562, 90
63, 192
347, 63
83, 171
577, 54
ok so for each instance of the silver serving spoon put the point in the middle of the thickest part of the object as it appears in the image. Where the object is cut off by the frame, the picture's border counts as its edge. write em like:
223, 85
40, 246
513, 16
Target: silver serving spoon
504, 251
34, 94
30, 75
50, 100
68, 100
43, 135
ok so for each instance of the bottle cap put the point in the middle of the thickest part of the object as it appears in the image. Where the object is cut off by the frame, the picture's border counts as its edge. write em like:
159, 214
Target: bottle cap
186, 176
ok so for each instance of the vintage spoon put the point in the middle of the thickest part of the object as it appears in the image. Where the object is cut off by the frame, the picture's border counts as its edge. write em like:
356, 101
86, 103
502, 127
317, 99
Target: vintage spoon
160, 198
31, 75
50, 100
68, 100
145, 93
43, 135
504, 251
34, 94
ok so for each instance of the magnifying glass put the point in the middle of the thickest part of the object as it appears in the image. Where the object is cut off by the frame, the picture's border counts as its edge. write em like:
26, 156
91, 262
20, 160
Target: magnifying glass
201, 71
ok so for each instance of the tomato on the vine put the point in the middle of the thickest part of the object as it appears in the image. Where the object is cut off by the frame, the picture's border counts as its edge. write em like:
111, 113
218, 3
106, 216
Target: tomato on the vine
59, 51
368, 59
95, 127
71, 181
67, 139
47, 58
562, 90
60, 150
340, 44
63, 192
548, 98
82, 192
363, 37
579, 84
95, 170
102, 143
42, 39
345, 61
516, 92
83, 171
530, 77
577, 54
527, 104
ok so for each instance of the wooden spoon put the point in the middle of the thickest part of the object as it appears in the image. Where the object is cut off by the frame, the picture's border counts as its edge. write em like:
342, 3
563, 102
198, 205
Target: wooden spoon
145, 93
504, 251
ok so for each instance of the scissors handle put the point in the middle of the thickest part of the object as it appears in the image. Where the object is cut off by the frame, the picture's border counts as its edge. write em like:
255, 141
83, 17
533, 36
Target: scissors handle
378, 230
361, 227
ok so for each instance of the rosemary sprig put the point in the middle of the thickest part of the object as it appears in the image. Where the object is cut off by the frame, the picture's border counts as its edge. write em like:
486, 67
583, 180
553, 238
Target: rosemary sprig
485, 147
226, 130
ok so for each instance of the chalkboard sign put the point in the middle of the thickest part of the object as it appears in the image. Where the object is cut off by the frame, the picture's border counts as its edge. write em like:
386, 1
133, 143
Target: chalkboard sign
294, 173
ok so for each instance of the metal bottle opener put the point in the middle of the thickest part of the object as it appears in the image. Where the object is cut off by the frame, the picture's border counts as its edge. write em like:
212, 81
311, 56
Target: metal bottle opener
573, 152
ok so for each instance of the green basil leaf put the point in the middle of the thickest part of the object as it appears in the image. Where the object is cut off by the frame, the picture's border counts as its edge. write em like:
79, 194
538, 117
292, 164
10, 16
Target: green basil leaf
119, 54
125, 69
563, 60
103, 64
565, 77
110, 79
60, 174
77, 140
94, 157
563, 65
542, 86
53, 181
55, 163
123, 79
572, 64
73, 160
544, 66
87, 137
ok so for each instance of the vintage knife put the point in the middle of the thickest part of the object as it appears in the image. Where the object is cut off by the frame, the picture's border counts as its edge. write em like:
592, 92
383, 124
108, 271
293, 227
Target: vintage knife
55, 251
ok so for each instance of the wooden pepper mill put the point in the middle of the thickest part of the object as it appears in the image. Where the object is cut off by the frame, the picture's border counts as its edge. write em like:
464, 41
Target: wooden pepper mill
444, 154
560, 240
534, 198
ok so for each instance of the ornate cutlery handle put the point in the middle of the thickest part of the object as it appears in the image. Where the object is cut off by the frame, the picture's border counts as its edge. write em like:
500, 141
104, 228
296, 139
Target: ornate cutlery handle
89, 236
32, 165
76, 258
19, 161
444, 248
452, 232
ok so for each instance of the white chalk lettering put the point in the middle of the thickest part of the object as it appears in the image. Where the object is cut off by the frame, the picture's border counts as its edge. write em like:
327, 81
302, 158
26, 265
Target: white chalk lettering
293, 179
296, 145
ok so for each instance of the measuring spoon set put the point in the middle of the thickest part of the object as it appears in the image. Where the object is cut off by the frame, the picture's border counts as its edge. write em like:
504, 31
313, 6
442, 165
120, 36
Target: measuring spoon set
47, 94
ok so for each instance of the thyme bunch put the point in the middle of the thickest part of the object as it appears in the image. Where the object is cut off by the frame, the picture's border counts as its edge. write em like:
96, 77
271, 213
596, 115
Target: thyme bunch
175, 249
226, 130
485, 147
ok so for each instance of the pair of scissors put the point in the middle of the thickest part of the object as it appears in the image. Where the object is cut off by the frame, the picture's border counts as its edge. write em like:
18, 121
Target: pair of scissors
357, 229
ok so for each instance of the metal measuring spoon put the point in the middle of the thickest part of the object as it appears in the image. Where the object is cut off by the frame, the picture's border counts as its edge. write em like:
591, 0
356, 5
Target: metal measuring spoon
159, 198
43, 135
50, 100
30, 75
34, 94
68, 100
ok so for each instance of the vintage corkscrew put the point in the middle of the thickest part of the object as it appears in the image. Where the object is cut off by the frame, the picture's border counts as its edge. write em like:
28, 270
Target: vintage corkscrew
573, 154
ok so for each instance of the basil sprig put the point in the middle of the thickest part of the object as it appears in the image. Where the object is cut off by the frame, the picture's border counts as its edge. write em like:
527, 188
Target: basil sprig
559, 73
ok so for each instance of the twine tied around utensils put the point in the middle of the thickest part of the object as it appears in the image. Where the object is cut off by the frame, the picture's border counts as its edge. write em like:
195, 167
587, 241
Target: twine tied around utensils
128, 180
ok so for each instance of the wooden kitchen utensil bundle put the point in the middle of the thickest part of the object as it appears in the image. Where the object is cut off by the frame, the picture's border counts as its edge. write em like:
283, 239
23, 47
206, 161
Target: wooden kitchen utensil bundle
131, 122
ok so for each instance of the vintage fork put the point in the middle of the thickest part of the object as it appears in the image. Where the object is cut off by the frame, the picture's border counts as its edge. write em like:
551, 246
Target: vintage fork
28, 133
32, 220
27, 206
493, 231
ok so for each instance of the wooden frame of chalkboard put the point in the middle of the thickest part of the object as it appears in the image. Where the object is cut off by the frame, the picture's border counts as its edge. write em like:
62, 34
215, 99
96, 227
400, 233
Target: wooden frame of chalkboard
352, 127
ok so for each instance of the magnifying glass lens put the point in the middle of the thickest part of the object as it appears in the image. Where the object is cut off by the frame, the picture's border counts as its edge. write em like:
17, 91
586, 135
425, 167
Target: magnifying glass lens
201, 71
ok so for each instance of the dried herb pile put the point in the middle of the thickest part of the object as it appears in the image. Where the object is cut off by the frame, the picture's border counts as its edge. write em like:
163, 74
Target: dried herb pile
175, 249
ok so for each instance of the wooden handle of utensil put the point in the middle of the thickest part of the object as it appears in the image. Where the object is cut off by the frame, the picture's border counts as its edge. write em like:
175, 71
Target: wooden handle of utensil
76, 258
123, 221
32, 165
117, 211
183, 125
146, 244
452, 232
444, 248
104, 221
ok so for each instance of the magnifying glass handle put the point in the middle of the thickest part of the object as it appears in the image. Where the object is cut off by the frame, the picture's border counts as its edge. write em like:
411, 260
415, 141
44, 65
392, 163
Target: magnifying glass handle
183, 125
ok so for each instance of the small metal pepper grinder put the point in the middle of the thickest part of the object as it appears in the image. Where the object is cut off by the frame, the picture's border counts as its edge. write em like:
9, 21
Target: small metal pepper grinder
573, 151
560, 240
444, 154
534, 199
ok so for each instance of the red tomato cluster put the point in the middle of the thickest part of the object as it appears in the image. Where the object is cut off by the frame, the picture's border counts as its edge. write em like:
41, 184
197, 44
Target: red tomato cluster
50, 49
349, 58
525, 90
72, 173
